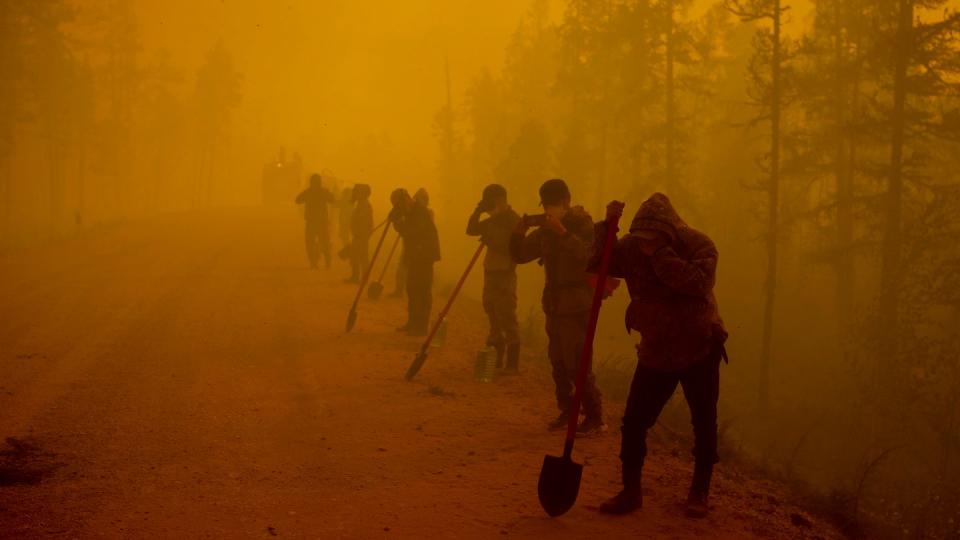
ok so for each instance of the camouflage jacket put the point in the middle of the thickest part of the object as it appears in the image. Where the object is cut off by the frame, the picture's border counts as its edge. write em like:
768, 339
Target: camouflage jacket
566, 290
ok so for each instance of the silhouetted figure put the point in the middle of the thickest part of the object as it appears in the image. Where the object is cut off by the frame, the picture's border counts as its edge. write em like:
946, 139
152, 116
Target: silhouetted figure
499, 273
421, 248
361, 227
563, 243
316, 215
344, 215
420, 197
670, 272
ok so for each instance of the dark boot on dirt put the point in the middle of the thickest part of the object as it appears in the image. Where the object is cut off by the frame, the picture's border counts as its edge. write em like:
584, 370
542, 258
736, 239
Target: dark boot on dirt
699, 491
560, 422
513, 360
592, 425
501, 349
630, 497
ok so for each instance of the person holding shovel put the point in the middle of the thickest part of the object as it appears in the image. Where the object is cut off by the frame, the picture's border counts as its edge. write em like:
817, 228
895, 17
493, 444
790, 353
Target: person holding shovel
670, 270
421, 250
499, 274
563, 243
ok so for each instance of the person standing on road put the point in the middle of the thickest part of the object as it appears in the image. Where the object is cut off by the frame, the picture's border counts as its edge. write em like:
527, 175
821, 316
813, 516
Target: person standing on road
670, 270
421, 249
317, 220
499, 274
563, 243
344, 214
361, 228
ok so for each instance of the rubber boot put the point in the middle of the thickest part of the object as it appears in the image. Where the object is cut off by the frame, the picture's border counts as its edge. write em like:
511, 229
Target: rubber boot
500, 350
513, 360
630, 497
699, 490
560, 422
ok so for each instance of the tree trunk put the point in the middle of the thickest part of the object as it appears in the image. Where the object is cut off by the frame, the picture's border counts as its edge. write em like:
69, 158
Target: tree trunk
671, 175
892, 228
773, 209
845, 98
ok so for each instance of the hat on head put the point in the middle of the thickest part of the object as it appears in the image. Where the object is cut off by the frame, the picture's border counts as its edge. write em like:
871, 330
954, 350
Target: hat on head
554, 191
361, 191
397, 195
494, 192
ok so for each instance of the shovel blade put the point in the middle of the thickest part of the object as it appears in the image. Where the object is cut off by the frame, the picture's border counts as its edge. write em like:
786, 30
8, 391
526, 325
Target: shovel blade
351, 319
559, 484
375, 290
416, 365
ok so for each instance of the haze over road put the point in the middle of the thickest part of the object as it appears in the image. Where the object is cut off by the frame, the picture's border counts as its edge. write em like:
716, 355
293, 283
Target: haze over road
188, 377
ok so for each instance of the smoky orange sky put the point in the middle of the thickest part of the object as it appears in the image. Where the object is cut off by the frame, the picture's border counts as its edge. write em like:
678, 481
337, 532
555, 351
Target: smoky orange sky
338, 79
322, 77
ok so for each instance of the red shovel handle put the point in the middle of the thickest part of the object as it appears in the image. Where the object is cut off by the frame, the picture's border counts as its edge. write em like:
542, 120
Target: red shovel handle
586, 356
453, 296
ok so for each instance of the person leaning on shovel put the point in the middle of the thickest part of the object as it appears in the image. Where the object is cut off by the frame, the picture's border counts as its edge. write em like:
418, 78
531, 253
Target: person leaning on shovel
670, 270
563, 242
499, 274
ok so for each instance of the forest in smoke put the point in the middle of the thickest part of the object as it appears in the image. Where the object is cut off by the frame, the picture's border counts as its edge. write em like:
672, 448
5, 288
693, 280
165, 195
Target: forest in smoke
816, 142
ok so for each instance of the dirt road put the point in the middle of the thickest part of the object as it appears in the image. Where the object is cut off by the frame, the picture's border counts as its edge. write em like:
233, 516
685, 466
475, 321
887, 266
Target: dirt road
188, 377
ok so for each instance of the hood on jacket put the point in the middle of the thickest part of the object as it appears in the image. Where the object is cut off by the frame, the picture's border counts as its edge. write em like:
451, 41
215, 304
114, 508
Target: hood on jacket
657, 214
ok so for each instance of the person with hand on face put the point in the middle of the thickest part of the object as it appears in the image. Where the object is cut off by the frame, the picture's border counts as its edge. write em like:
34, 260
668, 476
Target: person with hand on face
563, 243
421, 249
315, 200
670, 270
499, 274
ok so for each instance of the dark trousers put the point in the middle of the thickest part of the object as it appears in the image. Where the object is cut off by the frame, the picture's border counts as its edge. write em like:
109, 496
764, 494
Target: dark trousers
650, 391
566, 335
500, 303
419, 293
359, 257
317, 239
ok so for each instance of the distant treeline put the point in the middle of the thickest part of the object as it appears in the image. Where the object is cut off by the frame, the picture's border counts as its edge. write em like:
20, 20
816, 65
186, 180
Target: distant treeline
93, 128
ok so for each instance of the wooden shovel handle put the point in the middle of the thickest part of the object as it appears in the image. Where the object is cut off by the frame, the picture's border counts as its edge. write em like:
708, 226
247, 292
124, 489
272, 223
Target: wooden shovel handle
369, 269
586, 356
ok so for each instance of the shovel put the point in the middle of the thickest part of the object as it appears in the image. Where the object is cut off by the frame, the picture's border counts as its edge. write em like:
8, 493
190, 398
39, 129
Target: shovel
560, 477
422, 355
352, 316
376, 288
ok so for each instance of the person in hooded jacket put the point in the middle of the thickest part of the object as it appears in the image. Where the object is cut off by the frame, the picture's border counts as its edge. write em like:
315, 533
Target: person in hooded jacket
421, 250
563, 244
670, 270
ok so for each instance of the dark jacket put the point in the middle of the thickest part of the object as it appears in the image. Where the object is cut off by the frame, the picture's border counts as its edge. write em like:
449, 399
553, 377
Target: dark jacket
361, 220
566, 290
315, 201
672, 303
495, 233
421, 242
